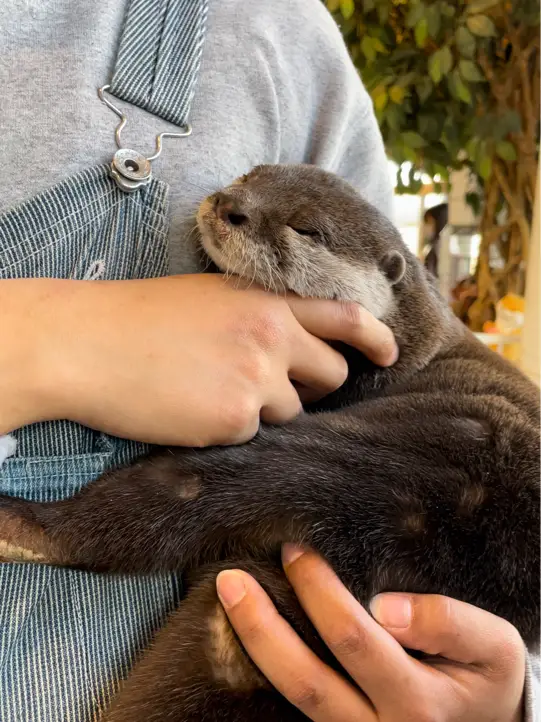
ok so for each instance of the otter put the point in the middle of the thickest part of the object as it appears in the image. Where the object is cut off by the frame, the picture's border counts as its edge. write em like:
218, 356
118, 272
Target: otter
420, 477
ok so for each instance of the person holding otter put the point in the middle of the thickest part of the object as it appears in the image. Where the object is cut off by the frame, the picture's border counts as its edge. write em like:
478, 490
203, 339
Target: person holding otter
105, 342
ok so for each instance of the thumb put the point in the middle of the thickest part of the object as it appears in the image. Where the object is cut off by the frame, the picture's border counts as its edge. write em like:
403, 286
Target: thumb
446, 627
347, 322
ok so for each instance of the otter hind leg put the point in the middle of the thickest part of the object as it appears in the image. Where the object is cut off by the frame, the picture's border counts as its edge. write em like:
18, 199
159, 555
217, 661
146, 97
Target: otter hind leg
196, 670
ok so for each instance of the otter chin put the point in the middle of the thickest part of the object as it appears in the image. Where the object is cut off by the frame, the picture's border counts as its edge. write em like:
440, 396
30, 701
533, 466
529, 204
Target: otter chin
287, 232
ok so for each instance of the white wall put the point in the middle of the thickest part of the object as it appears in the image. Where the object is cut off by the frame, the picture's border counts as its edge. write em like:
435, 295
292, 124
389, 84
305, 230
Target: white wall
531, 337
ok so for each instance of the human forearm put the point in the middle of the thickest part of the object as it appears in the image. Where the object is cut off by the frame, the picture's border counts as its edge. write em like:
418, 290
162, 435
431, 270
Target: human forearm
185, 361
28, 309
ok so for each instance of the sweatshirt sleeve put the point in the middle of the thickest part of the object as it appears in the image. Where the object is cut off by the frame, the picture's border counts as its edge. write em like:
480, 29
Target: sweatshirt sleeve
326, 115
532, 690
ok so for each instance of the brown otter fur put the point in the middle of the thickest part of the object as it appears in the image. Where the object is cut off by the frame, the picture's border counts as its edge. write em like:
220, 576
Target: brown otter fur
421, 477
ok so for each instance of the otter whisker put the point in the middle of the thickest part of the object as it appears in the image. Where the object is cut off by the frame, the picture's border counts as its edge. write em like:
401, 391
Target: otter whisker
255, 274
192, 231
207, 265
275, 279
246, 262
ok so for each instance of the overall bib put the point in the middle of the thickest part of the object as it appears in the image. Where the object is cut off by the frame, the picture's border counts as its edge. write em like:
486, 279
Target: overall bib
68, 637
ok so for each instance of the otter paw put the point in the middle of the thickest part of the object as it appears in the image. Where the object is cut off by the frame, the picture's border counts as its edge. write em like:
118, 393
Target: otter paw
8, 446
21, 537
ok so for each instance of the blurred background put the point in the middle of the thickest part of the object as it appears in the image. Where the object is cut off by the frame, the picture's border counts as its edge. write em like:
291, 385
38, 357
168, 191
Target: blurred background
455, 86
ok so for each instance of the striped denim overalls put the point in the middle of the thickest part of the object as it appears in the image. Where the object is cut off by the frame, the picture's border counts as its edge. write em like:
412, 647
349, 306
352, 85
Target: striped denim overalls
68, 637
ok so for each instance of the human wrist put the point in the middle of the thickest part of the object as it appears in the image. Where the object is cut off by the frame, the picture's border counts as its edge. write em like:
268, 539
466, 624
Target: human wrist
33, 313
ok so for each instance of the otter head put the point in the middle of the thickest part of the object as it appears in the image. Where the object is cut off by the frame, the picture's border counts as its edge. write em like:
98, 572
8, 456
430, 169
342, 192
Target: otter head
299, 228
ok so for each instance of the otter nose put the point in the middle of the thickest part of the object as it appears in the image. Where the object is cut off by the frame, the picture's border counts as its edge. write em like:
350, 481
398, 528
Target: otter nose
229, 209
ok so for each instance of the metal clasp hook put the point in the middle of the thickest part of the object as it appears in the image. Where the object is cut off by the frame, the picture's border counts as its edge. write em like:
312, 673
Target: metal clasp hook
130, 169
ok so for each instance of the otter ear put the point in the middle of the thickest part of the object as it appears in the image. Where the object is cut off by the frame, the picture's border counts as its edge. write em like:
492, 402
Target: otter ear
393, 266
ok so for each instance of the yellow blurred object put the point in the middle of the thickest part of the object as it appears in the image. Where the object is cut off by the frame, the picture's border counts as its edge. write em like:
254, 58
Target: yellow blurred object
397, 94
510, 313
509, 322
490, 327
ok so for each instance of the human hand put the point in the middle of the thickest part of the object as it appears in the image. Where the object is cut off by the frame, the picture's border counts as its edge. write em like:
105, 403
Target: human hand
191, 360
476, 672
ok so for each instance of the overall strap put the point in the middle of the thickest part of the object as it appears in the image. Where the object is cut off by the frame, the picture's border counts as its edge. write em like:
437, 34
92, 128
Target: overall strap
159, 56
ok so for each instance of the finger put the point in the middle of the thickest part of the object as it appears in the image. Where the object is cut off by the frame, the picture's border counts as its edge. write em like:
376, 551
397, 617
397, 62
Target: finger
315, 365
284, 406
306, 394
446, 627
296, 672
347, 322
361, 645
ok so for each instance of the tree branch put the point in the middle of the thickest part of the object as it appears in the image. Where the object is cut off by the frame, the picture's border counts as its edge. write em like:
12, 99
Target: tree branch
514, 205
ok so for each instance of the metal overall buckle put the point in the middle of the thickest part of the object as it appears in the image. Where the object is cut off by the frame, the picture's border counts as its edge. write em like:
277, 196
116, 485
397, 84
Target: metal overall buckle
129, 169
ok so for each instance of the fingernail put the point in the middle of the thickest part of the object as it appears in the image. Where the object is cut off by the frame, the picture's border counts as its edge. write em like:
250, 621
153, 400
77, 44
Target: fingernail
231, 588
393, 357
392, 610
290, 553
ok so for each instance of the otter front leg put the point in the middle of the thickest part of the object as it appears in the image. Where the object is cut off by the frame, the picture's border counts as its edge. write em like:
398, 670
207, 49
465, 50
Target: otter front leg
411, 497
117, 523
22, 539
167, 511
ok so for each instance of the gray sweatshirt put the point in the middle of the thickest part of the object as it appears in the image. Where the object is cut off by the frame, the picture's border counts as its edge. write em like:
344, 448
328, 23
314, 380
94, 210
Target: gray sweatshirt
276, 85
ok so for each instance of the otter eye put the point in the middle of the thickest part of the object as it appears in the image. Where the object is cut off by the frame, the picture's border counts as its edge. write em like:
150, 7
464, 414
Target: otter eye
305, 232
236, 219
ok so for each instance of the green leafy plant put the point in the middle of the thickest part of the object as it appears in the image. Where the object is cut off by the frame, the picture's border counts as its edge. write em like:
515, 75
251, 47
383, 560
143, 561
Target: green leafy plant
454, 85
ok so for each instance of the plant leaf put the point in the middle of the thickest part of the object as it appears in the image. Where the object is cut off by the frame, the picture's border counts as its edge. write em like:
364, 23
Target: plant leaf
347, 8
421, 32
409, 153
367, 46
407, 79
429, 127
412, 140
447, 10
509, 122
404, 54
394, 117
479, 6
472, 146
465, 42
481, 25
383, 13
506, 150
474, 201
446, 60
333, 5
433, 18
415, 14
434, 67
458, 88
484, 167
379, 46
380, 97
424, 88
397, 94
368, 5
470, 71
464, 93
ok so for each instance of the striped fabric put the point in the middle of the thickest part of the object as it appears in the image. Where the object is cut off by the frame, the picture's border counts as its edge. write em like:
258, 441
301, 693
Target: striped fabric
159, 56
68, 637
